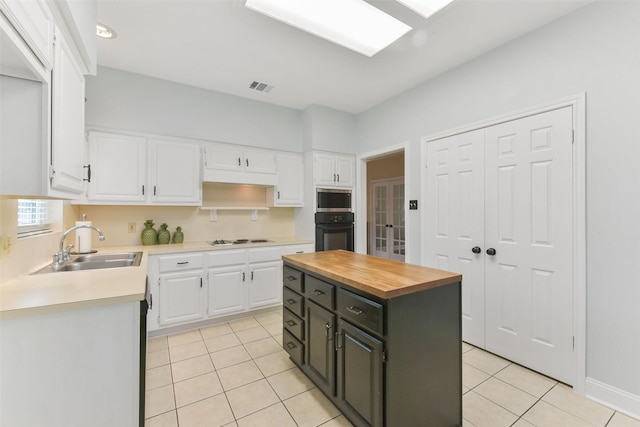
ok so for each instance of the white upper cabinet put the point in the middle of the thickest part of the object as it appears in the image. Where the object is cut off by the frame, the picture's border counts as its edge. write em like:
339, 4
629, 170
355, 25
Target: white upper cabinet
128, 169
334, 170
33, 21
118, 166
289, 189
67, 121
175, 172
239, 165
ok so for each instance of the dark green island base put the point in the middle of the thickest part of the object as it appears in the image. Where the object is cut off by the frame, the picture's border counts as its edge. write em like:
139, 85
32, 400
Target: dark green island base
389, 355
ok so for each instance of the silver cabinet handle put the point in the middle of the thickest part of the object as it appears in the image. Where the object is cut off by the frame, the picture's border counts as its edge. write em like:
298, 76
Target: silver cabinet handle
291, 301
183, 262
355, 310
327, 331
291, 345
291, 323
317, 292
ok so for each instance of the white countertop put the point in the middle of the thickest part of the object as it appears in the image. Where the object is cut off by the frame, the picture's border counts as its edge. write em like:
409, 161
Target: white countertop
42, 293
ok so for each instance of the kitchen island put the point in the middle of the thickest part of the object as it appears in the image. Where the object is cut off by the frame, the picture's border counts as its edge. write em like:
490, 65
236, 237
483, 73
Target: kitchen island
382, 339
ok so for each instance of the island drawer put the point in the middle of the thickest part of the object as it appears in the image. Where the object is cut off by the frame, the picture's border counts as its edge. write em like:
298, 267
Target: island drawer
293, 278
293, 301
180, 262
360, 310
293, 347
293, 324
320, 291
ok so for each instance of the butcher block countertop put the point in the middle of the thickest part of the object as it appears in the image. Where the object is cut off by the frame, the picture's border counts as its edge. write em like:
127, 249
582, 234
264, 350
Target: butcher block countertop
377, 276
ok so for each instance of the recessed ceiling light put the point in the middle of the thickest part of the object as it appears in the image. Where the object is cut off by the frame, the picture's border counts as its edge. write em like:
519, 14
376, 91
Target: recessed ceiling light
354, 24
425, 8
105, 32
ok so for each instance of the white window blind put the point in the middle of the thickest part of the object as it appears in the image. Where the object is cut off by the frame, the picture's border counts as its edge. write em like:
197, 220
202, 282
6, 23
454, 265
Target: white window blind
34, 217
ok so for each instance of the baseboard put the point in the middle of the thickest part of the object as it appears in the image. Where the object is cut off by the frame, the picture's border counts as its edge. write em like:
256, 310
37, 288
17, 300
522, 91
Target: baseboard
614, 398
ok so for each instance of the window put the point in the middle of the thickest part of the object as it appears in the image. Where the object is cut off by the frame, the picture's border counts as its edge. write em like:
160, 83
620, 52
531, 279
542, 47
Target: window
35, 216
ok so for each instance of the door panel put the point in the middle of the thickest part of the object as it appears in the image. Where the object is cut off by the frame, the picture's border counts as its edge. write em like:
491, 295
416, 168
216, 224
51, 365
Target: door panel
529, 286
320, 351
455, 221
360, 372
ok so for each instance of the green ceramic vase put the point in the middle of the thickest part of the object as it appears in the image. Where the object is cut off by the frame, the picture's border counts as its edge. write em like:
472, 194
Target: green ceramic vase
178, 236
164, 237
149, 236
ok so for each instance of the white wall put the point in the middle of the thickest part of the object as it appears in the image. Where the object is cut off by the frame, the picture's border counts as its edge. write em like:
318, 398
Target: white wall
329, 130
595, 50
127, 101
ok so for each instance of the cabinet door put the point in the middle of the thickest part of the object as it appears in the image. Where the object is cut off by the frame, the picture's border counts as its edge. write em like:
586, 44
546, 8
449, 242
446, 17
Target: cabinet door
34, 23
175, 172
345, 171
118, 166
67, 139
265, 284
180, 297
325, 171
360, 373
223, 158
289, 191
228, 289
320, 351
259, 162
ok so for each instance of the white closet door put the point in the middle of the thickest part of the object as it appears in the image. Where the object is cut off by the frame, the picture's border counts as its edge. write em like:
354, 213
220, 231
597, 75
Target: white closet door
455, 221
528, 217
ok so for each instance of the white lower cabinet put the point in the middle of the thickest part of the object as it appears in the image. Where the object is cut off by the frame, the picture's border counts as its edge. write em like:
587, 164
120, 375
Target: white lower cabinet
180, 297
176, 284
265, 286
227, 282
196, 286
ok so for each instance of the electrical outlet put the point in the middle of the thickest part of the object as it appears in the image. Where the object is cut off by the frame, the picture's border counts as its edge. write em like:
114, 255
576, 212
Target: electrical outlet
5, 246
132, 227
254, 214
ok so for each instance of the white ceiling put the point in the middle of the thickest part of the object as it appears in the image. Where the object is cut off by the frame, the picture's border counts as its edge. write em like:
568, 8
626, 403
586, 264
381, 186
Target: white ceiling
222, 46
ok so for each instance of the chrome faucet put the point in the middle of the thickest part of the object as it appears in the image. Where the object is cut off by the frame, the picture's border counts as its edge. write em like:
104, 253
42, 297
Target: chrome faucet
65, 254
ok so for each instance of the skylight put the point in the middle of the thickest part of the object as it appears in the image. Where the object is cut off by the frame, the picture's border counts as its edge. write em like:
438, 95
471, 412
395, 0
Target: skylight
425, 8
353, 24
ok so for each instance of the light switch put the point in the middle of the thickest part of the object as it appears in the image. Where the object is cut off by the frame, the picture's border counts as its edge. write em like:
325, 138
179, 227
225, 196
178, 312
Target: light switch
413, 205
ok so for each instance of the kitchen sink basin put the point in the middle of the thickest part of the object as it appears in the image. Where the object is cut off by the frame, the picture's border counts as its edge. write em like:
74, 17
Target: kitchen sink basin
96, 262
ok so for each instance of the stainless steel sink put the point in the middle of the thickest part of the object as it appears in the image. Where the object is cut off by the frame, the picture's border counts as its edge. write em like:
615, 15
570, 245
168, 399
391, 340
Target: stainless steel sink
96, 262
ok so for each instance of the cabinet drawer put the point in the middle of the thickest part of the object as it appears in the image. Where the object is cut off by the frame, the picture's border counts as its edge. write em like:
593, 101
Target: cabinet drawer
293, 301
293, 324
180, 262
265, 254
320, 291
293, 347
230, 257
361, 311
293, 279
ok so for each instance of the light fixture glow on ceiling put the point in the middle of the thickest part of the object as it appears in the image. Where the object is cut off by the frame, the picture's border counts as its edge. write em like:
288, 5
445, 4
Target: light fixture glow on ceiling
105, 32
425, 8
353, 24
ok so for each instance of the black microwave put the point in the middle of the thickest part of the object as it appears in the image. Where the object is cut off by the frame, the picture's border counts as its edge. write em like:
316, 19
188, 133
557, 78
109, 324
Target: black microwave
332, 200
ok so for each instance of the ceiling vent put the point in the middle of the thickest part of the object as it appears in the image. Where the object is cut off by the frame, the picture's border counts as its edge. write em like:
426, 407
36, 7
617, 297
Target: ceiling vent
260, 87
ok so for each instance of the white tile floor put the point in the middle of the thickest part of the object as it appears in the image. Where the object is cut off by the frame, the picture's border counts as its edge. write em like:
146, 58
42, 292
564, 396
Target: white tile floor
236, 374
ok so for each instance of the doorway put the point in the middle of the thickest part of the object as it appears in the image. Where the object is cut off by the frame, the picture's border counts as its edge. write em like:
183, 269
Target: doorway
385, 206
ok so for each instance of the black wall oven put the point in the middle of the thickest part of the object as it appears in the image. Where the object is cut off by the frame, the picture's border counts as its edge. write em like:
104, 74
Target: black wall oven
334, 231
333, 200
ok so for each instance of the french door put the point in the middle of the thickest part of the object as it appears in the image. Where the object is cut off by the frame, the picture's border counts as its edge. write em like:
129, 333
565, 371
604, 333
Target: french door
500, 213
387, 233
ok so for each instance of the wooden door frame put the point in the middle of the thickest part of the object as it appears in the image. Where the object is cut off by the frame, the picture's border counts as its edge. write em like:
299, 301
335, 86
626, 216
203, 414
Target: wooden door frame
578, 104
